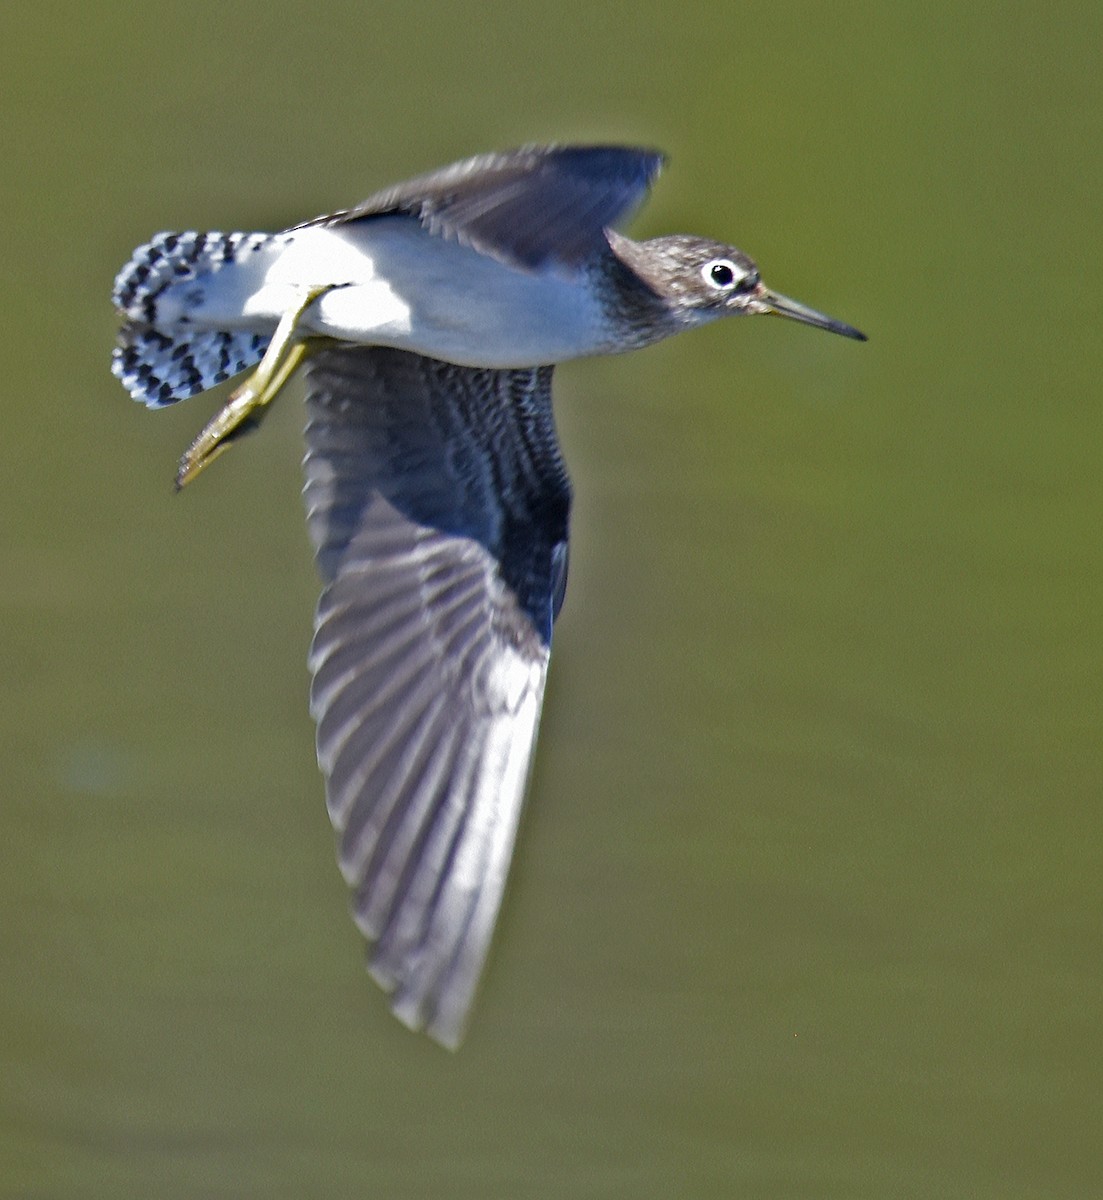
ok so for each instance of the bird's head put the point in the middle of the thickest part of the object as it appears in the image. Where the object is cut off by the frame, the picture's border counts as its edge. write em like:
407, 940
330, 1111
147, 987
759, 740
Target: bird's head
700, 280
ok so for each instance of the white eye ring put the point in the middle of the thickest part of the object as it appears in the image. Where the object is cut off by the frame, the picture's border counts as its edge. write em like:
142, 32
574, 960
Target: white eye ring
722, 274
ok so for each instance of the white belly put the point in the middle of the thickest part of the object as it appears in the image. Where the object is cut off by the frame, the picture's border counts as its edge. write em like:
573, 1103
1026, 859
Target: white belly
425, 293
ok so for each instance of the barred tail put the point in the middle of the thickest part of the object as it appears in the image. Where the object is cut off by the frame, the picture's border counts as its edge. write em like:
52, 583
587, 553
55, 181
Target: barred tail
160, 356
159, 369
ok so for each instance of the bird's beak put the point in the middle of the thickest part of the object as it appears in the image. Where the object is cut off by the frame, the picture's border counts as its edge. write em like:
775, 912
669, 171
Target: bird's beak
781, 306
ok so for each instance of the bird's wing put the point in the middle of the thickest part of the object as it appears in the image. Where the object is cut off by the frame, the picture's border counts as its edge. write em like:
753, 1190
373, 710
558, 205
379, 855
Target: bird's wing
438, 505
530, 208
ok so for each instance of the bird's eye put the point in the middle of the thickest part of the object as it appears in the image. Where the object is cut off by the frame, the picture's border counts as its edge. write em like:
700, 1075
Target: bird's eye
725, 276
720, 274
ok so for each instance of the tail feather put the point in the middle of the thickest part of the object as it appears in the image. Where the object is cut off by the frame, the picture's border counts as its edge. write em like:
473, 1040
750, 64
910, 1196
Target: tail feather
171, 258
159, 369
160, 357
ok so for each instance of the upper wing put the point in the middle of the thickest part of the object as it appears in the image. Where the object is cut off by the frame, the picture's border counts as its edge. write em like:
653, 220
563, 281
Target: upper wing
438, 505
528, 207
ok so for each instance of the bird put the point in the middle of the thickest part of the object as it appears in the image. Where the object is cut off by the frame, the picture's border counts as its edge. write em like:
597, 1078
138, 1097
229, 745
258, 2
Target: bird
427, 321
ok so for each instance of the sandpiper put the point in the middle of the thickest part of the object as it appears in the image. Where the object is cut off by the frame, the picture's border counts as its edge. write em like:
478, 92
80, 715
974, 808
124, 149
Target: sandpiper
428, 319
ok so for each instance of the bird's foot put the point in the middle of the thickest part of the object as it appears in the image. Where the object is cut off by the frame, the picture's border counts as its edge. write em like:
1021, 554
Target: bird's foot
248, 403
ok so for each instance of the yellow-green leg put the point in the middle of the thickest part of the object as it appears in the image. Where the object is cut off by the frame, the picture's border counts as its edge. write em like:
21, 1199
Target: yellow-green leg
248, 402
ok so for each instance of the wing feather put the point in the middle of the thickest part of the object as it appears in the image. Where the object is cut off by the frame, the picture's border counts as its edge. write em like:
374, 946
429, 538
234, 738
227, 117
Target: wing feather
438, 505
529, 207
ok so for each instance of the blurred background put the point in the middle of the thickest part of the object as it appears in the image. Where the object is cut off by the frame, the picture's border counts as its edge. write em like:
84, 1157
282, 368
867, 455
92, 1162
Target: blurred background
807, 898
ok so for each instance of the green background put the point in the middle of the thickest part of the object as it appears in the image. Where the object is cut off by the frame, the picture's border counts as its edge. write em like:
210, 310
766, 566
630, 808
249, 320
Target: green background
807, 901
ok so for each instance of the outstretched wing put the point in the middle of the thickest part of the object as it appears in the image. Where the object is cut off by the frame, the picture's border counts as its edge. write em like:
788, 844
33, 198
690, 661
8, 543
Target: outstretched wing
438, 505
529, 208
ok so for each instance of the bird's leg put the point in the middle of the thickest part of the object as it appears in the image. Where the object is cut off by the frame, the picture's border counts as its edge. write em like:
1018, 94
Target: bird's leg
248, 403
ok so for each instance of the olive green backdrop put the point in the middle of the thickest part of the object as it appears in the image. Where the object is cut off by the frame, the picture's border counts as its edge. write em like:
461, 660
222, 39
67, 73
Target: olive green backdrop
807, 902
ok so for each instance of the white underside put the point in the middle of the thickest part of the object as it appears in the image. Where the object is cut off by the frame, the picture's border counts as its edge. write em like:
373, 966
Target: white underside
395, 284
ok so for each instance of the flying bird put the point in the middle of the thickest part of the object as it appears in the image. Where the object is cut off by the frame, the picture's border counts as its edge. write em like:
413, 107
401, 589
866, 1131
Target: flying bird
427, 320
